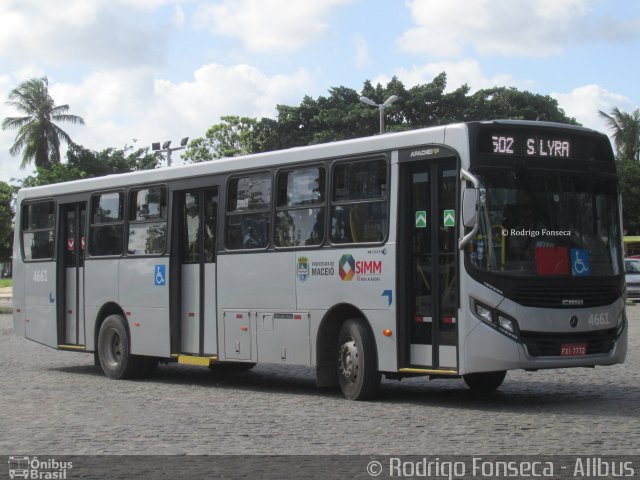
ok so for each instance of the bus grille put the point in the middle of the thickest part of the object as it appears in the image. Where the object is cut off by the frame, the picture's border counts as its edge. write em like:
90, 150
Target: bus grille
550, 297
548, 344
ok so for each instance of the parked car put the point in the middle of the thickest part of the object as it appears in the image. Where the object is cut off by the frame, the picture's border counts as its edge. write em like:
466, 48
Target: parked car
632, 277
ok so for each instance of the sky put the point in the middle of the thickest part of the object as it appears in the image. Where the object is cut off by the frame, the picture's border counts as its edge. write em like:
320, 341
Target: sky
141, 71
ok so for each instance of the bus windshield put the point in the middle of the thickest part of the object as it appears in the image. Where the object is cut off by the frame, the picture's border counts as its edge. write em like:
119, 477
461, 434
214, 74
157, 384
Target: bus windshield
543, 223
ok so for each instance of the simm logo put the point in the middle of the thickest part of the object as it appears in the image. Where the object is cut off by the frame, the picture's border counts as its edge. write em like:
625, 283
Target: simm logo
348, 267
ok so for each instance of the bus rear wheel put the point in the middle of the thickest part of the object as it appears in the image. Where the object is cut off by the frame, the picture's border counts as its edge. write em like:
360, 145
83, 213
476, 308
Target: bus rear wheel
484, 381
116, 359
358, 374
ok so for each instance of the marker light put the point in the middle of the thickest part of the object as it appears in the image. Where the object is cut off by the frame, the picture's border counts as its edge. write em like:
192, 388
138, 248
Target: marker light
387, 332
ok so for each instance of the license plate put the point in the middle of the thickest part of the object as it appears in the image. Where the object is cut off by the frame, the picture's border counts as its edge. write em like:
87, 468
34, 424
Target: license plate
573, 349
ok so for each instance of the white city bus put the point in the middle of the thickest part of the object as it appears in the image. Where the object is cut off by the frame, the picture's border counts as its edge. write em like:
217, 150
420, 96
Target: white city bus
456, 251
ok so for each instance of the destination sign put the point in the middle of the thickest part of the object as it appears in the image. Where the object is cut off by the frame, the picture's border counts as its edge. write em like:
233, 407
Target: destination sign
532, 146
495, 141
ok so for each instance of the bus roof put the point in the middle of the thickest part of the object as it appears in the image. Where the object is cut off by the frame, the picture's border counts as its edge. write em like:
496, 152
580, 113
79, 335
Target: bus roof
364, 145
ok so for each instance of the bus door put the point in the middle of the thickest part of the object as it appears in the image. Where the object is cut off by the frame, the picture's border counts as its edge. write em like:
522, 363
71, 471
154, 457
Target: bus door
429, 215
197, 223
73, 228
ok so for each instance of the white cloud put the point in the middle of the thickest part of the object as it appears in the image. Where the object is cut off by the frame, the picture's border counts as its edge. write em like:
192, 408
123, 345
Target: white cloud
119, 106
148, 4
584, 102
362, 51
61, 32
268, 25
460, 72
178, 17
531, 28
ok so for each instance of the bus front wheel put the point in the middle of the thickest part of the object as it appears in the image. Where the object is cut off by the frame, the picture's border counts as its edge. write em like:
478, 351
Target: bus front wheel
484, 381
116, 359
357, 366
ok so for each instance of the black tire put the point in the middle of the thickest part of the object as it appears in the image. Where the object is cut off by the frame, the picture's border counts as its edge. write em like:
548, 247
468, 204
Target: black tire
484, 381
357, 362
114, 353
231, 367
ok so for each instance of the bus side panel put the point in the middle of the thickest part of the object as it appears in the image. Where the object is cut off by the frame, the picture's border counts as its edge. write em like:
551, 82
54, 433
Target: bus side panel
100, 288
145, 300
360, 276
40, 298
380, 320
253, 283
18, 273
256, 281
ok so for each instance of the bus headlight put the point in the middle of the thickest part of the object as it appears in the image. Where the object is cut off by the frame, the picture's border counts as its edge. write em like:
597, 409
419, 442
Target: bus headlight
496, 319
484, 313
506, 323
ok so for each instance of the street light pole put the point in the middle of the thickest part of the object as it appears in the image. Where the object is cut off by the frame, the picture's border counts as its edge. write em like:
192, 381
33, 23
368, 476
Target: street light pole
166, 147
380, 106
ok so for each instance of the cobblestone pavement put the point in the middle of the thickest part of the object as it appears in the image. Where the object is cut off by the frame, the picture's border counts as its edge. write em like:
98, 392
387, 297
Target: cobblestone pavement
56, 403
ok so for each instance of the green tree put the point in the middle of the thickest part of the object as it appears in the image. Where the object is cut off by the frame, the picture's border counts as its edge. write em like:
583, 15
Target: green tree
629, 178
6, 221
38, 137
85, 163
341, 116
626, 133
231, 137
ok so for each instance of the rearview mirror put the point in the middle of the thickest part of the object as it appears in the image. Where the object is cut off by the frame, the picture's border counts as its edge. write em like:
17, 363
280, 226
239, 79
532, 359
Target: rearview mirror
469, 207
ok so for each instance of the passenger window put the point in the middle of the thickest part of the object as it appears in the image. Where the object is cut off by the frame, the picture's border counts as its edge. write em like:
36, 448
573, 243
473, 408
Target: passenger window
107, 224
38, 220
300, 207
360, 181
147, 221
359, 212
248, 212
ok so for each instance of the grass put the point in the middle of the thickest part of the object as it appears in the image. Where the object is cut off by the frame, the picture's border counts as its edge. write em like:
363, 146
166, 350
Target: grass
6, 282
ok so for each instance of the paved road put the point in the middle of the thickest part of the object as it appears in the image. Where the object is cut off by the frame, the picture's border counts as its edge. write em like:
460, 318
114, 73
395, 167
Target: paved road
59, 403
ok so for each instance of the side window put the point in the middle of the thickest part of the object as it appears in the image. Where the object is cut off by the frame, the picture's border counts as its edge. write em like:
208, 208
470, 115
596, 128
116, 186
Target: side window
38, 220
147, 221
359, 202
107, 224
300, 207
248, 212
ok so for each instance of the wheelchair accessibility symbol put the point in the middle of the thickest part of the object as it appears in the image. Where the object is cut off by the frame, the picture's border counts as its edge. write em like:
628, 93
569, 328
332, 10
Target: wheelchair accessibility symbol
580, 262
160, 277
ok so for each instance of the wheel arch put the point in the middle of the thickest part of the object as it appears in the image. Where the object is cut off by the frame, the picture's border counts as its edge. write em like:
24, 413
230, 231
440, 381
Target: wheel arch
327, 339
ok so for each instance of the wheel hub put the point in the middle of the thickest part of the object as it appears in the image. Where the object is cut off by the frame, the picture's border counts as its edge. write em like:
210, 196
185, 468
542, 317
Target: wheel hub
348, 360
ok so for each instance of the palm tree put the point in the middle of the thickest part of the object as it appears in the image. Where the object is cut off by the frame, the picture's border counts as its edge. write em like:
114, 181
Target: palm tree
626, 133
38, 138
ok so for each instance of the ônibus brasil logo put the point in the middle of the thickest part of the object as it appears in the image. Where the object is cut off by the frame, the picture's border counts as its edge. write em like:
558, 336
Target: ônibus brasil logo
365, 271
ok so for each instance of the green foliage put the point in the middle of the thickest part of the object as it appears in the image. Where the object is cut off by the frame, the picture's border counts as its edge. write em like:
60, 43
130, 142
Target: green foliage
341, 116
6, 282
629, 175
85, 163
6, 221
38, 137
231, 137
626, 133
